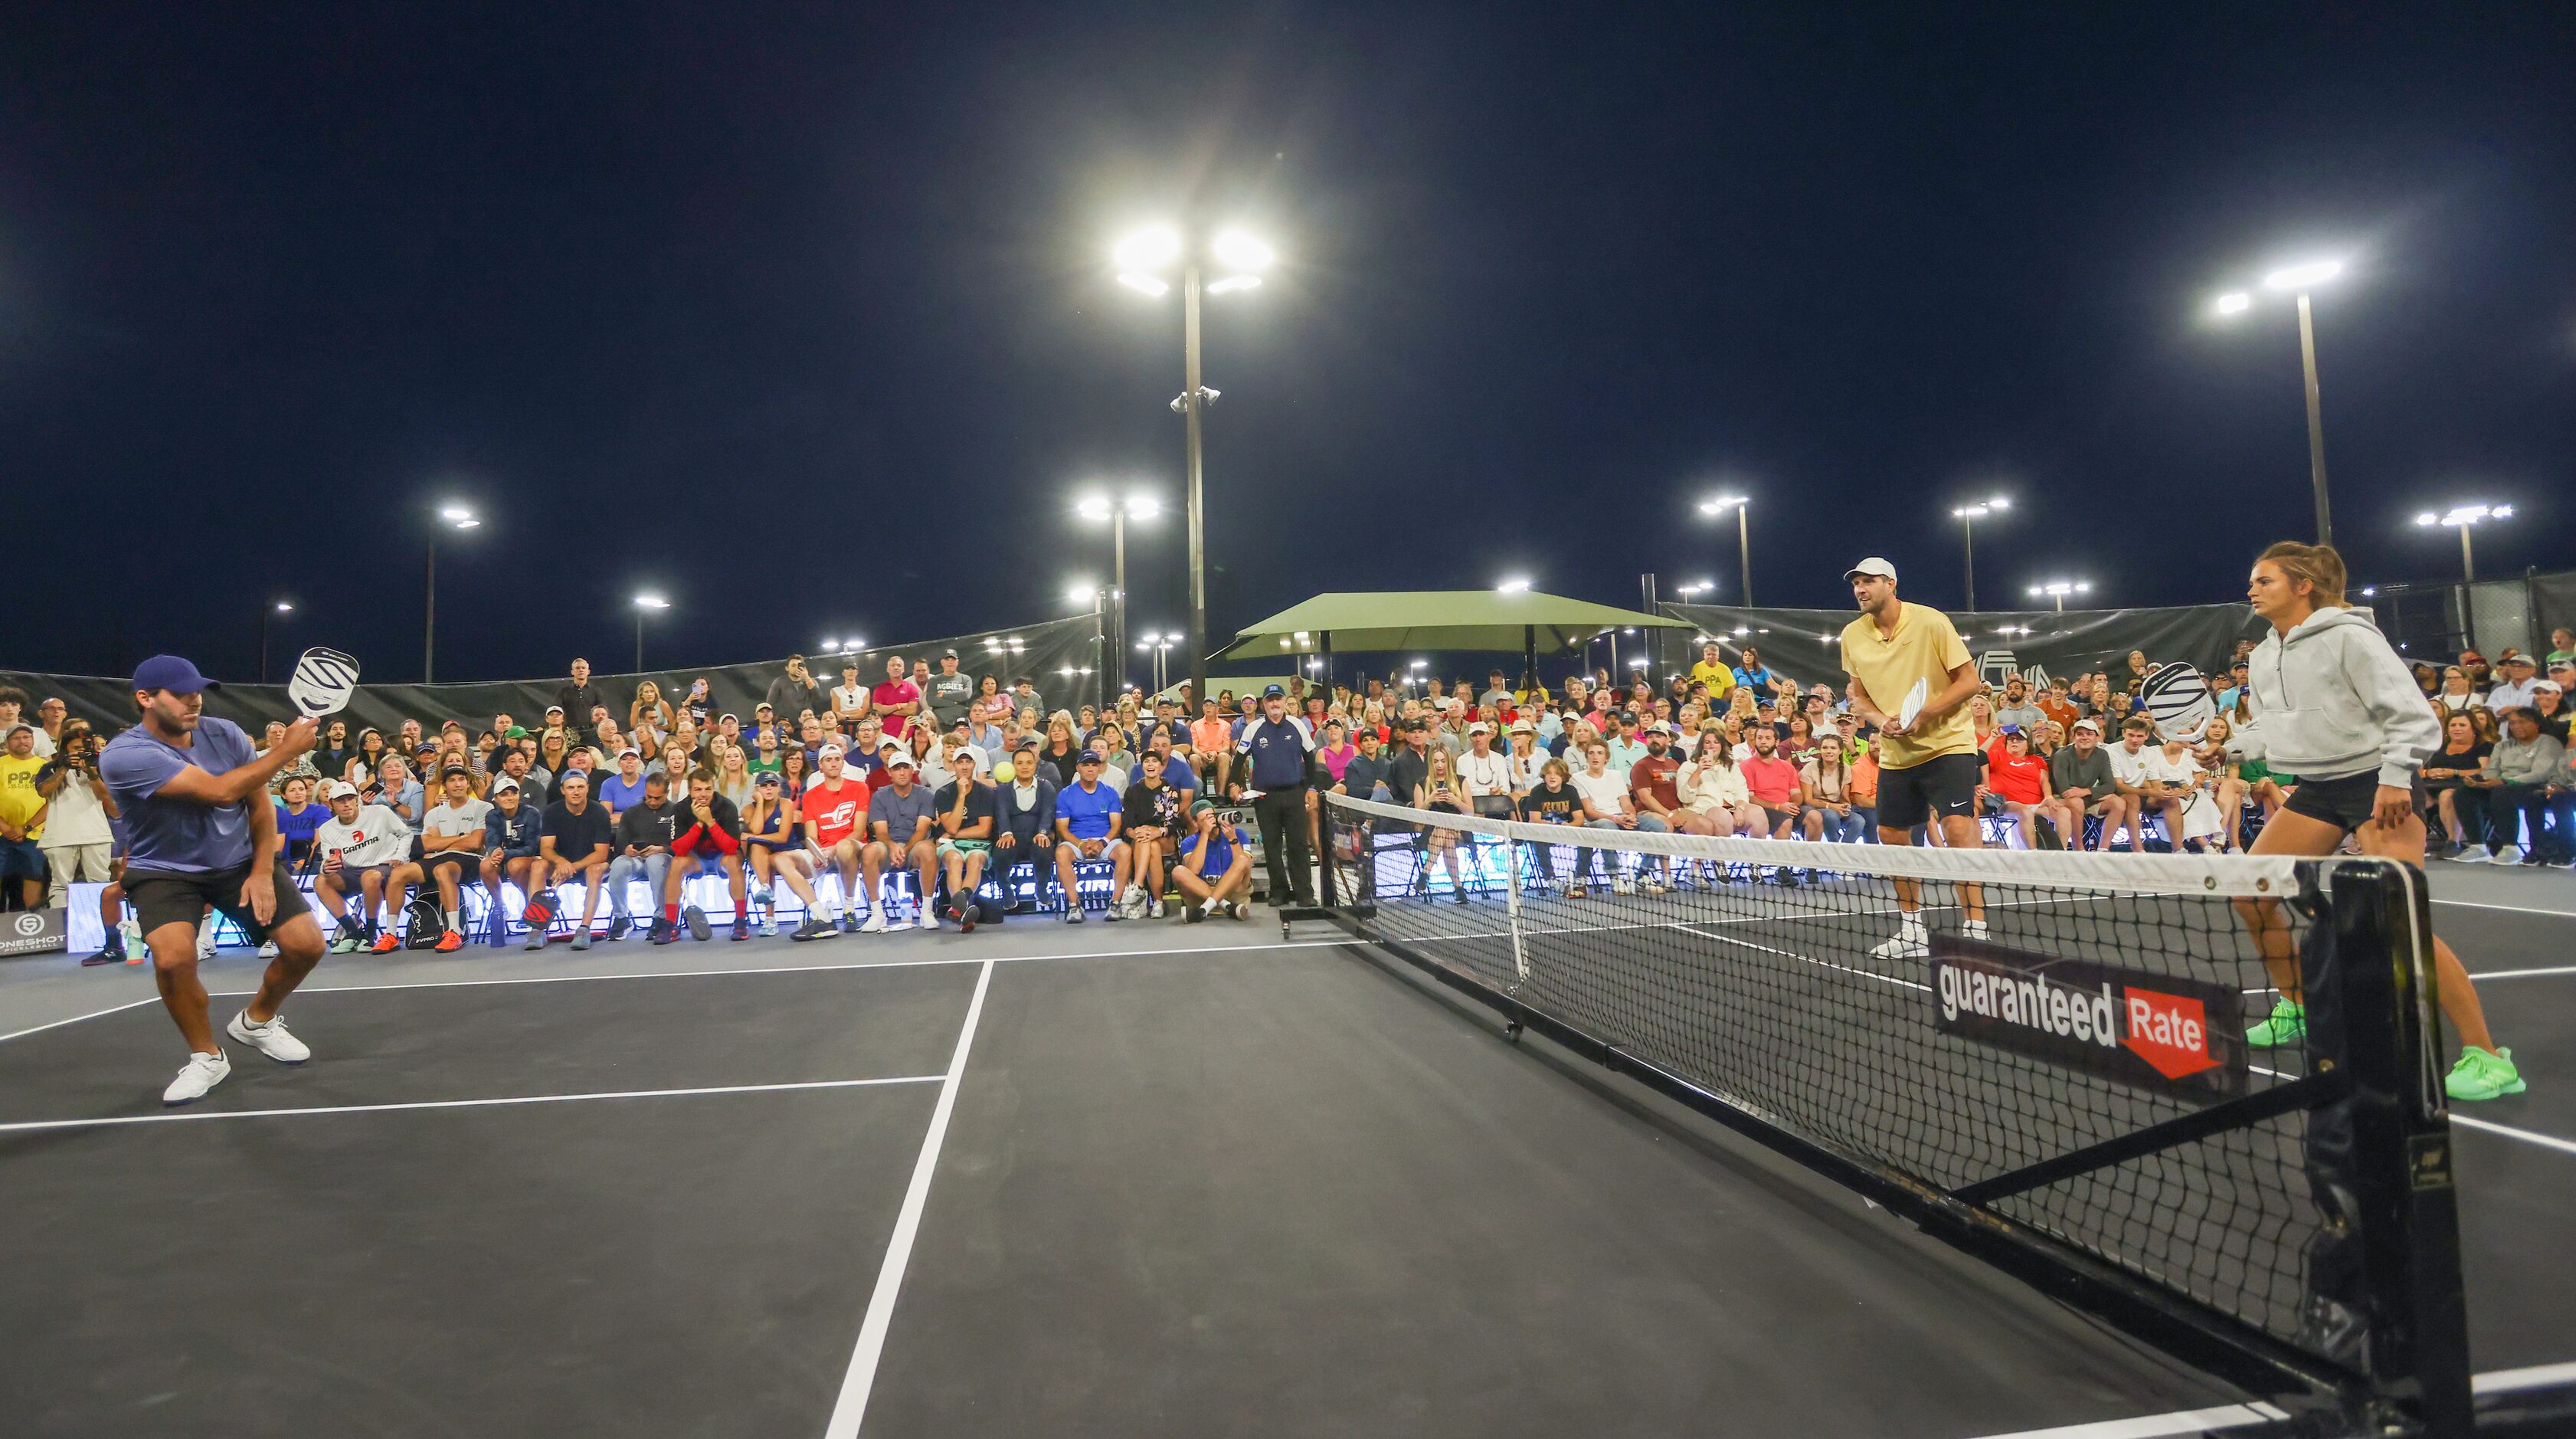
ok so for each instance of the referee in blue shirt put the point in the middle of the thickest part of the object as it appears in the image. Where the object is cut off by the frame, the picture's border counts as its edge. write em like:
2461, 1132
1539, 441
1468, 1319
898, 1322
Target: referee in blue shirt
1274, 752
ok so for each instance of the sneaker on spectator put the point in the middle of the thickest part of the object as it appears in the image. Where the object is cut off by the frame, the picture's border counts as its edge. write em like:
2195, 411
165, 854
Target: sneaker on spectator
448, 943
2480, 1075
1240, 910
876, 921
814, 927
619, 926
1623, 885
385, 943
696, 919
1193, 913
581, 937
536, 937
741, 927
2472, 854
268, 948
345, 941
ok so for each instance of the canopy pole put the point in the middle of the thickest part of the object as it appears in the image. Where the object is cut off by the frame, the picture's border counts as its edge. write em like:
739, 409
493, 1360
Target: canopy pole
1325, 637
1529, 659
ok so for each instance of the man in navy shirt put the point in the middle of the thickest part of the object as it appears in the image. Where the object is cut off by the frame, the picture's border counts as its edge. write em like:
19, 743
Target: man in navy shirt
200, 832
1273, 755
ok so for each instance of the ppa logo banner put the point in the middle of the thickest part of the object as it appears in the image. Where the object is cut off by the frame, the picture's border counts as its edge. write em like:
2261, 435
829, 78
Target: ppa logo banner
2154, 1031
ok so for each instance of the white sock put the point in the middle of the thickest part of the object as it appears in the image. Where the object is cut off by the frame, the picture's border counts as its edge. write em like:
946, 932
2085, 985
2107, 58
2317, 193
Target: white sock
451, 919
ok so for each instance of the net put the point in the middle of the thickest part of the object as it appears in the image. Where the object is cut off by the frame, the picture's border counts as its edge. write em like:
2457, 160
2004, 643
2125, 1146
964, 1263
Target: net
2055, 1044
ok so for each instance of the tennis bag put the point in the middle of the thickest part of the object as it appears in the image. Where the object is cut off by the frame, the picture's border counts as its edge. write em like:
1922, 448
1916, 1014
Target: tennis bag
423, 923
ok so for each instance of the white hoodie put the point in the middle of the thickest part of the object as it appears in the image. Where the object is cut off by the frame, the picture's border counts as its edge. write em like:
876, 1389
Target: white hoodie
2332, 700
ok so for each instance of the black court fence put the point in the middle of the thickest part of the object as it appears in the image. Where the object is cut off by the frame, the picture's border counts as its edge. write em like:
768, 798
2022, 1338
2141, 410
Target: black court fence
2048, 1066
2435, 622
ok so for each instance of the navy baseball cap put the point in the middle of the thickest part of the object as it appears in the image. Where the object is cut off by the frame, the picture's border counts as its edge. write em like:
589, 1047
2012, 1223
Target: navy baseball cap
169, 672
1274, 692
1087, 757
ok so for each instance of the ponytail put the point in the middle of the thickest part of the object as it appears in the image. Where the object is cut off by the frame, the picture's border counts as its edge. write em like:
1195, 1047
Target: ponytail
2319, 565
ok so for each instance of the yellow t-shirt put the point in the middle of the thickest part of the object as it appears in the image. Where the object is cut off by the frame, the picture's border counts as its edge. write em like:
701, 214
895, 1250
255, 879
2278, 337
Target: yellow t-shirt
1926, 647
18, 798
1717, 677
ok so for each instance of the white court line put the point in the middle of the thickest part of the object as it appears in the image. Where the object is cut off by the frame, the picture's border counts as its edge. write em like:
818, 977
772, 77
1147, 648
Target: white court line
852, 1406
1809, 959
2524, 973
2150, 1426
2237, 1416
184, 1116
2511, 908
77, 1018
2545, 1141
2538, 1376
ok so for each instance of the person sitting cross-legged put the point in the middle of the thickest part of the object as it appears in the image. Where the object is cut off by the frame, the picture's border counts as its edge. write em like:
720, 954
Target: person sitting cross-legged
969, 810
706, 839
363, 847
1212, 868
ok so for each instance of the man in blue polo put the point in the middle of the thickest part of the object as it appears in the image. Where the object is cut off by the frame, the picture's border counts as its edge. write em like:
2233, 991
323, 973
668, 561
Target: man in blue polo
1087, 819
200, 832
1272, 756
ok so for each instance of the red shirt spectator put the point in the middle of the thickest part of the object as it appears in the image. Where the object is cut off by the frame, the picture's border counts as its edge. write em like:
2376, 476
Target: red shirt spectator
1771, 780
2019, 778
1654, 775
896, 690
833, 810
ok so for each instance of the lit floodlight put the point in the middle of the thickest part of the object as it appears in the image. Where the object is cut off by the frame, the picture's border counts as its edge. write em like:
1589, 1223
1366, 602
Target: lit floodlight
651, 602
2302, 277
2234, 302
1143, 284
1513, 586
1238, 251
1232, 283
1092, 507
1143, 507
1148, 249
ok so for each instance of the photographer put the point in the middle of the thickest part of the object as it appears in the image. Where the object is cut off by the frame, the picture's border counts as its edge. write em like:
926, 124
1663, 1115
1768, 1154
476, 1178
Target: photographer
78, 843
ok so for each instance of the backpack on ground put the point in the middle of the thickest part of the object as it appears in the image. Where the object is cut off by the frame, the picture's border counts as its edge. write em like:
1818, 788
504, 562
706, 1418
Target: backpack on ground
423, 922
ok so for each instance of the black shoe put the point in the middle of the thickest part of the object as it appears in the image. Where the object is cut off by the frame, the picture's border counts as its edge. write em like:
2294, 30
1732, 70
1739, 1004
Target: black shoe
1193, 913
741, 928
113, 954
814, 927
696, 919
619, 927
662, 933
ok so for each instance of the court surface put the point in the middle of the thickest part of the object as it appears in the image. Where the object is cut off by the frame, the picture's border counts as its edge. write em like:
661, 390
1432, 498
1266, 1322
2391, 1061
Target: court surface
1111, 1180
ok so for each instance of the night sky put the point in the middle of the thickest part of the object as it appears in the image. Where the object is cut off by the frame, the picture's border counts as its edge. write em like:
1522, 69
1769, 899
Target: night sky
803, 316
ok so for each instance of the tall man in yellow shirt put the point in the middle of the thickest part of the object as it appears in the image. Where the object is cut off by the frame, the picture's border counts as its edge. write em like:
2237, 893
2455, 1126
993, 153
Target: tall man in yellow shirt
1928, 764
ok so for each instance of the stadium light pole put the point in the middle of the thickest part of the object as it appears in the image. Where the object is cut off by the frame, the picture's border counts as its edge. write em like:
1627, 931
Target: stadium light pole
644, 605
1142, 260
2058, 590
266, 612
1967, 516
1084, 592
1717, 505
2465, 518
450, 517
2299, 280
1096, 508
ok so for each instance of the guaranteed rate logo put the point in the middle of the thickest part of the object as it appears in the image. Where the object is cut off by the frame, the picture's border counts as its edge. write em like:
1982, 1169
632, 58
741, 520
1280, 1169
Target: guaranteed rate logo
2161, 1032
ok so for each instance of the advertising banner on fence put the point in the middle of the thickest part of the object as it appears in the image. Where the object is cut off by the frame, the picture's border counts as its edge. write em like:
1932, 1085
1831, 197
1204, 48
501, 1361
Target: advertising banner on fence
32, 931
2034, 644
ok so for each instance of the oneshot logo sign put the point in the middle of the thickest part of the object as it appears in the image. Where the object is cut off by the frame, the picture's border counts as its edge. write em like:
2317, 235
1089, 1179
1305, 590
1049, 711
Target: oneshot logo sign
32, 931
2154, 1031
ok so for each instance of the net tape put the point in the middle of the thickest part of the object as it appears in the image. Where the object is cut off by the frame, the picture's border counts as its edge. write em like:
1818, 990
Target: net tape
1743, 967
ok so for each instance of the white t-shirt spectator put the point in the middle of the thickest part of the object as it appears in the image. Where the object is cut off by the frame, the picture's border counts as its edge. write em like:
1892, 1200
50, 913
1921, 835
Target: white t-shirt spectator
2177, 770
448, 821
2131, 769
75, 816
377, 836
1603, 791
1485, 774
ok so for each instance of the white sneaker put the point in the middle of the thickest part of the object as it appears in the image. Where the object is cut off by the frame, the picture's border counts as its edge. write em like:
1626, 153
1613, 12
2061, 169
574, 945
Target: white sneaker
1156, 909
1623, 885
1910, 942
876, 923
268, 950
927, 920
270, 1039
2473, 854
1133, 901
201, 1073
1973, 929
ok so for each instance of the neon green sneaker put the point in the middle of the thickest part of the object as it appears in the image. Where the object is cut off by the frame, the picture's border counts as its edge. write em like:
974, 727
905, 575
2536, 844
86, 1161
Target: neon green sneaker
2480, 1075
2288, 1025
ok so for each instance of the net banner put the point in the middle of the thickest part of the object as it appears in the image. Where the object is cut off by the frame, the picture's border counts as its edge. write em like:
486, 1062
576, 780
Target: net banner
2034, 644
1061, 656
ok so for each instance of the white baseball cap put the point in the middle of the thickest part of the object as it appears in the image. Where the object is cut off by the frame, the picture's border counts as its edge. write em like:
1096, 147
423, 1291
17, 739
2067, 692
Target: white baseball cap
337, 788
828, 751
1872, 566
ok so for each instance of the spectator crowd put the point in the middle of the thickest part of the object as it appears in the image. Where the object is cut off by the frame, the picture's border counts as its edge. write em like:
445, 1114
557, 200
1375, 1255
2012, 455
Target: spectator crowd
916, 795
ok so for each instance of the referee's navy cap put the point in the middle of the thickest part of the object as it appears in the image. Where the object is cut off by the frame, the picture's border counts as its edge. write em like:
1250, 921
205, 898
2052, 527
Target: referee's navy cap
169, 672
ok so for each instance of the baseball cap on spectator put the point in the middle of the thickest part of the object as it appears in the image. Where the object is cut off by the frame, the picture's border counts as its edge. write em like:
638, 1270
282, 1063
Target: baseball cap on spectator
769, 777
828, 750
516, 732
948, 654
2519, 660
2088, 724
1871, 566
630, 749
554, 709
1201, 806
2552, 686
169, 672
1659, 727
901, 756
1480, 727
338, 788
1274, 692
505, 783
1087, 757
720, 719
454, 770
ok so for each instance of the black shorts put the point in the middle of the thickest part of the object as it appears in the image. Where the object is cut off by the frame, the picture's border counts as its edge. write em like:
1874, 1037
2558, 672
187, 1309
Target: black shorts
1945, 784
465, 861
164, 897
2346, 803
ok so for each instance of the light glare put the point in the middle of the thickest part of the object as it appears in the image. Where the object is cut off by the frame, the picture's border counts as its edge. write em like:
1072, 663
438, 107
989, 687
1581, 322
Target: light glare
1239, 251
1232, 283
1513, 586
2235, 302
2301, 277
1148, 249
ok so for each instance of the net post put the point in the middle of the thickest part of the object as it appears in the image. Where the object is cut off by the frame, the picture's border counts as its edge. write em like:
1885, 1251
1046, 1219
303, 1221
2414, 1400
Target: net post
2383, 1031
1512, 908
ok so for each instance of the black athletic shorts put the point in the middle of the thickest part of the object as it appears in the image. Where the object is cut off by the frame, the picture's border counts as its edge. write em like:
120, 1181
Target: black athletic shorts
467, 860
164, 897
1945, 784
2346, 803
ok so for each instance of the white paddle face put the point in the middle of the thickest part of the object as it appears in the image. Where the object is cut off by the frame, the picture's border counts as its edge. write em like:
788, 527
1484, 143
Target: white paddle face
1915, 699
323, 682
2178, 700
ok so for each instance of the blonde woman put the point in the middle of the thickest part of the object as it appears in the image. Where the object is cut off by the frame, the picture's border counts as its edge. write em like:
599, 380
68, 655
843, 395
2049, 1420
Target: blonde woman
2227, 786
1441, 793
649, 713
773, 833
733, 774
1714, 799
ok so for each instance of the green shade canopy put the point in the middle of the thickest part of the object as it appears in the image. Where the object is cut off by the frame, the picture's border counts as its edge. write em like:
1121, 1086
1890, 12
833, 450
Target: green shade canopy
1488, 620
